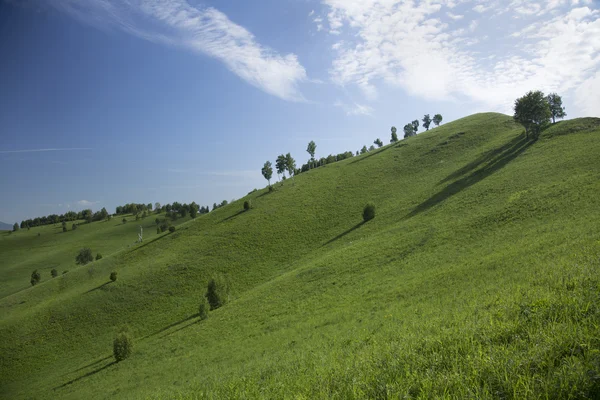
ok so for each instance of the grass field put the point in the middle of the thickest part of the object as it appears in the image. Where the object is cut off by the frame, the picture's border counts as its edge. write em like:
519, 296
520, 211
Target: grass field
478, 278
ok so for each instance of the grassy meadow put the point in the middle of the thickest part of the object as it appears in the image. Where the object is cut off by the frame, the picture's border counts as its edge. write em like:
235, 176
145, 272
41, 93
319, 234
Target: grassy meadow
479, 277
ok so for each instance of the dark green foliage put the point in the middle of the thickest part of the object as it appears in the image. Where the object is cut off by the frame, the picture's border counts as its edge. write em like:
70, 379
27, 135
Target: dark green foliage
171, 229
84, 256
35, 278
394, 135
415, 125
217, 292
379, 143
426, 121
124, 220
157, 229
271, 189
533, 112
290, 164
15, 227
369, 212
203, 308
122, 346
73, 227
409, 130
113, 276
556, 108
98, 256
267, 171
247, 205
364, 150
54, 273
64, 226
371, 148
437, 119
157, 221
194, 209
164, 225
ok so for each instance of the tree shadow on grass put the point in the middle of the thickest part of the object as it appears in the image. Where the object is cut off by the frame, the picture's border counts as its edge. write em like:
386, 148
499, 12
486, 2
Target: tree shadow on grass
181, 328
494, 162
174, 324
86, 375
92, 364
374, 153
99, 287
484, 158
341, 235
234, 215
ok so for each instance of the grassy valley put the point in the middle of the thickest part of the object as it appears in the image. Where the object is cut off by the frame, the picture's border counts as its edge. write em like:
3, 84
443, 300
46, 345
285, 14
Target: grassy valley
477, 278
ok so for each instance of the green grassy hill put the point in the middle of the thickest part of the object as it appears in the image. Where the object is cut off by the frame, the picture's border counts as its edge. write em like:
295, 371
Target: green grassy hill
478, 278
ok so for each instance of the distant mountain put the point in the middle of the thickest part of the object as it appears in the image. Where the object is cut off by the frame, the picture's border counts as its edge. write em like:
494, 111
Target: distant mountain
5, 226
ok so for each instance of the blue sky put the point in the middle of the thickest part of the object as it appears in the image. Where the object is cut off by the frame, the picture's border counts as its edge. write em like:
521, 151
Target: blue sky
105, 102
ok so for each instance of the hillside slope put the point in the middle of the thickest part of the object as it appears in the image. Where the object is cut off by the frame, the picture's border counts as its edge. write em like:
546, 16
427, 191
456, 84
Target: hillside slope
5, 227
477, 278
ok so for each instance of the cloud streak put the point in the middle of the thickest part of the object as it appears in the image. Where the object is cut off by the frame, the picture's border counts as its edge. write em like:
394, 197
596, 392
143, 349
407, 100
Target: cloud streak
205, 31
44, 150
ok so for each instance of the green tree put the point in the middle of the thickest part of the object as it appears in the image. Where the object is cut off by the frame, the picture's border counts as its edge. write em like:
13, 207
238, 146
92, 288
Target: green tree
556, 108
312, 147
280, 165
217, 292
74, 227
371, 148
364, 150
290, 165
85, 256
15, 227
408, 130
379, 143
247, 205
437, 119
54, 273
35, 278
533, 112
124, 220
267, 171
394, 135
122, 346
98, 256
415, 125
113, 276
194, 209
64, 226
426, 121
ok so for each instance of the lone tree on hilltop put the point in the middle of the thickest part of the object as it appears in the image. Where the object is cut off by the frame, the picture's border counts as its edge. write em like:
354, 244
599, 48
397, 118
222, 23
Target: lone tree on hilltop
379, 143
394, 135
556, 108
426, 121
312, 147
290, 165
280, 165
364, 150
85, 256
437, 119
408, 131
267, 171
415, 125
533, 112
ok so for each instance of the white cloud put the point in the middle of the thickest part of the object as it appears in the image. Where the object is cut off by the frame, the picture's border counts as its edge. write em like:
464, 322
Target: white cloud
454, 17
404, 43
203, 30
44, 150
354, 109
587, 97
86, 203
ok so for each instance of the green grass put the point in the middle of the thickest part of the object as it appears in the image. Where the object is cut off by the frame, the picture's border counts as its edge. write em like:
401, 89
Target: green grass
478, 278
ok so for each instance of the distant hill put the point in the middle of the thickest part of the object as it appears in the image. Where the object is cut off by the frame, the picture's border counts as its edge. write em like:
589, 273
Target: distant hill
5, 227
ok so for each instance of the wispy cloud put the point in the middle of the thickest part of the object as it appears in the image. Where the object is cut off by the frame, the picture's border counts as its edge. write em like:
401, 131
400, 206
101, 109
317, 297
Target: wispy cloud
419, 47
86, 203
354, 109
203, 30
44, 150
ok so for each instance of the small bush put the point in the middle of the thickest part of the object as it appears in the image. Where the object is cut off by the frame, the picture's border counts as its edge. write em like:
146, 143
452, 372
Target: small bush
85, 256
217, 292
369, 212
122, 346
203, 308
54, 273
74, 227
35, 278
124, 220
113, 276
247, 205
271, 189
171, 229
98, 256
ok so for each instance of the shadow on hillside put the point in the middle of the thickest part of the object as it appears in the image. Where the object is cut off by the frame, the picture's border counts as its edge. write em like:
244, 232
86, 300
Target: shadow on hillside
181, 328
92, 364
372, 153
234, 215
341, 235
173, 325
98, 288
86, 375
484, 158
493, 162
